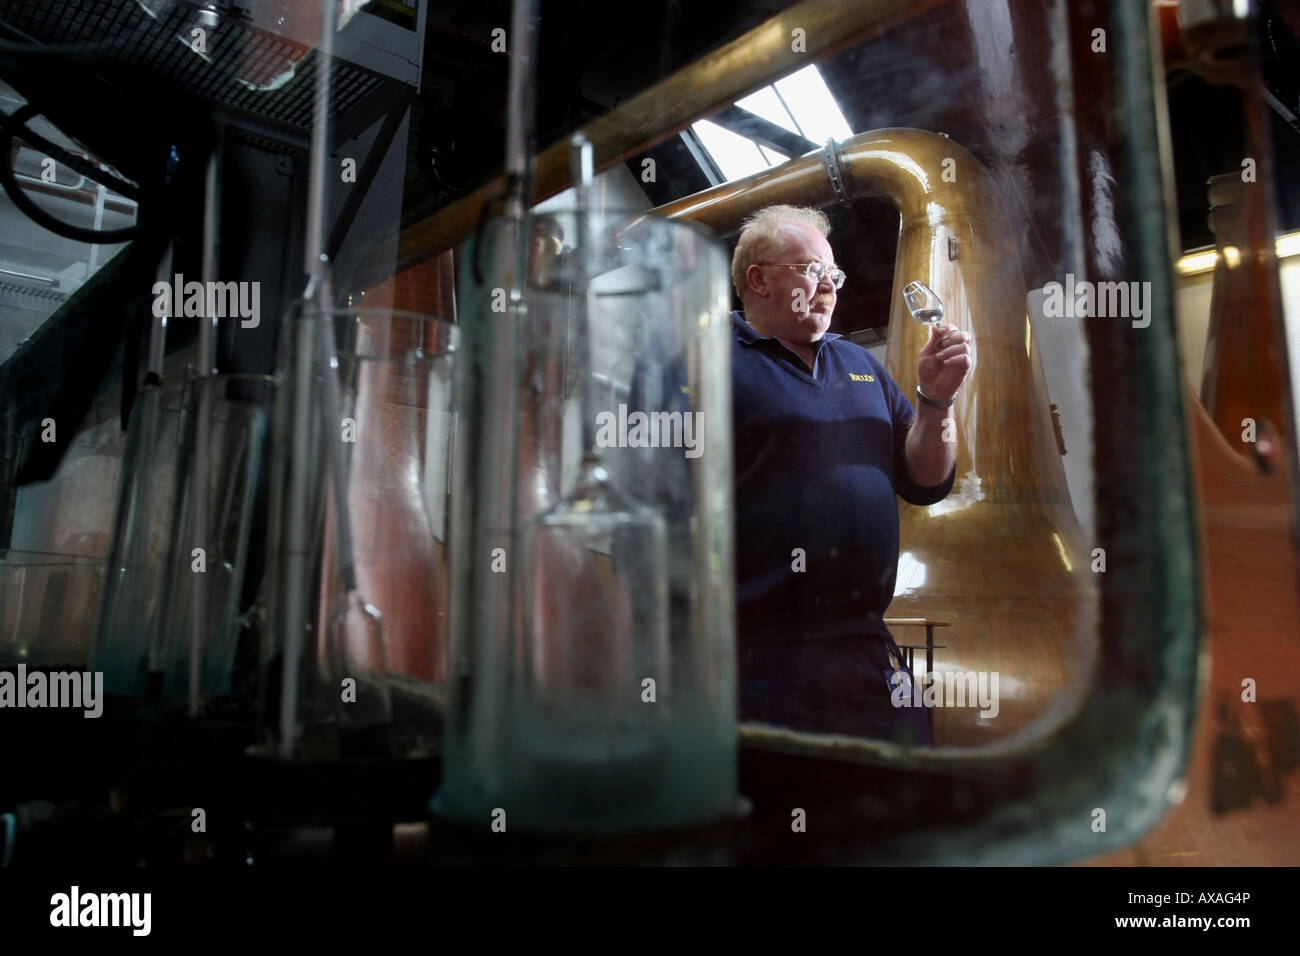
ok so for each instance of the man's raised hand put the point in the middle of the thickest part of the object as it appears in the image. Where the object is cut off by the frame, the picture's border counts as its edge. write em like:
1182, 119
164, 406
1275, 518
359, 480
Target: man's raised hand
945, 361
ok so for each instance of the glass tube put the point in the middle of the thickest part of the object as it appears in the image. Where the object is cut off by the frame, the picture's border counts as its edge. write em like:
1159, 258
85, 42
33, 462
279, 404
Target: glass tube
141, 534
384, 629
591, 682
46, 607
199, 620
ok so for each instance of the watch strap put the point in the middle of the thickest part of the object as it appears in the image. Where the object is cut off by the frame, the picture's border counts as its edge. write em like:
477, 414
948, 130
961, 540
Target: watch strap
934, 402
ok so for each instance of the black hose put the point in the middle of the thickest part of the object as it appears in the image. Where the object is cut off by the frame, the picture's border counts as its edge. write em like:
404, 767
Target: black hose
34, 212
71, 160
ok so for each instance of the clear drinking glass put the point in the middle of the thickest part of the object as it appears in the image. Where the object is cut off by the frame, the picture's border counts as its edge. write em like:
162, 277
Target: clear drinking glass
923, 302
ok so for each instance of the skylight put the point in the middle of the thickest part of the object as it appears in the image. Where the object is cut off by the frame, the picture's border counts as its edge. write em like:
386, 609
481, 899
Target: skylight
736, 155
811, 105
800, 103
767, 104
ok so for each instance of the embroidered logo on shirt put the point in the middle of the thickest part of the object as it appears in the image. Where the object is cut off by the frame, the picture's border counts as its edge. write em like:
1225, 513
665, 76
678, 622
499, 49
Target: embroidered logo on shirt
861, 378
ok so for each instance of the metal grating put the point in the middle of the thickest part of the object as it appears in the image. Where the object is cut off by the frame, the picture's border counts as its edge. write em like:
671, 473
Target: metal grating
236, 53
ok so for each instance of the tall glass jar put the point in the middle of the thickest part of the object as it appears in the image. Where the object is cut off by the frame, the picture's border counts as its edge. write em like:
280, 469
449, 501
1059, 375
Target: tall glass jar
356, 621
591, 669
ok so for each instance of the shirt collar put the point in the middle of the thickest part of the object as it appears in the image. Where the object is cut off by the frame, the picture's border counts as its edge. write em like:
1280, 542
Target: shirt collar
748, 335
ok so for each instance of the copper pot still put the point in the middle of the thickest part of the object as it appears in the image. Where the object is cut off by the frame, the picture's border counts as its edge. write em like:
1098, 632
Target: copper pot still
1003, 559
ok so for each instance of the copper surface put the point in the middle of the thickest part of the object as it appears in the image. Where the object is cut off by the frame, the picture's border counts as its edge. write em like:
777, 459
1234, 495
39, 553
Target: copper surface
401, 564
1003, 557
1245, 362
1242, 803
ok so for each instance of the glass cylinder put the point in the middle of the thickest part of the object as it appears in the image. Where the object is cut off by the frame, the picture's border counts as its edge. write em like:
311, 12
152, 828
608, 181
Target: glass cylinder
591, 682
356, 620
127, 616
47, 604
203, 594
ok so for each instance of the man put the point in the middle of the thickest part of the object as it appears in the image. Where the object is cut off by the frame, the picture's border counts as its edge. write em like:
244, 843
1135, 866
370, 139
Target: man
824, 440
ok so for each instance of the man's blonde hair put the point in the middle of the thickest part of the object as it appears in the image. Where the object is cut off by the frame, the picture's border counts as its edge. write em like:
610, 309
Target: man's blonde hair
759, 240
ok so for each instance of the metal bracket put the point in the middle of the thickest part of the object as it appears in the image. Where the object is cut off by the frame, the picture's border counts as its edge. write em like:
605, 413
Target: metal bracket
835, 171
396, 112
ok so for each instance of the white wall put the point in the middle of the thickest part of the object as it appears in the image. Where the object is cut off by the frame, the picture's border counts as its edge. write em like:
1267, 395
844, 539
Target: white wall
1192, 308
1290, 274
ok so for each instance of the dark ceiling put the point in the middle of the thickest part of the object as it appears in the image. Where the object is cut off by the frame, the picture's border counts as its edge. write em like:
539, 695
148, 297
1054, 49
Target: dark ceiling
591, 57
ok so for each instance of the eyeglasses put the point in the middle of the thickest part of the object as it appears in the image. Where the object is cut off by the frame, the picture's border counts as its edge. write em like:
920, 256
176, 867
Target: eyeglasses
814, 270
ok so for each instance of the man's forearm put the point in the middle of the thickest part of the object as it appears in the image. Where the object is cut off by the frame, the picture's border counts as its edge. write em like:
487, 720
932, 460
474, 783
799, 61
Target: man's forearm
929, 457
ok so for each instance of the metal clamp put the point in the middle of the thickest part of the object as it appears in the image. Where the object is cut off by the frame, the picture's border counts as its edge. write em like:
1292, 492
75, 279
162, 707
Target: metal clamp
835, 170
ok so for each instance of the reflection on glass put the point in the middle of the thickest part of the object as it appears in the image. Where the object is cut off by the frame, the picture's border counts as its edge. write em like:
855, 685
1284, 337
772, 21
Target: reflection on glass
595, 628
199, 626
124, 646
47, 604
380, 625
595, 621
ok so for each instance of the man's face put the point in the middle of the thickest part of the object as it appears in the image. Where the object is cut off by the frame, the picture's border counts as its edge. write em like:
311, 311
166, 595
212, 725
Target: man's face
797, 308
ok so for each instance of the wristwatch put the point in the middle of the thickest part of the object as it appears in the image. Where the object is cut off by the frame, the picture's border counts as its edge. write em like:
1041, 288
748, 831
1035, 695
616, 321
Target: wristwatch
934, 402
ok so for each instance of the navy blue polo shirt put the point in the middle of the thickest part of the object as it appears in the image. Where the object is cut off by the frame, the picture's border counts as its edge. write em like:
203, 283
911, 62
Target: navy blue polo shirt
819, 458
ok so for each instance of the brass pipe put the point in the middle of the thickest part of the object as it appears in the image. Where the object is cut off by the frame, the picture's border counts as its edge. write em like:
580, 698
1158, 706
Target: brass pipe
1003, 557
714, 82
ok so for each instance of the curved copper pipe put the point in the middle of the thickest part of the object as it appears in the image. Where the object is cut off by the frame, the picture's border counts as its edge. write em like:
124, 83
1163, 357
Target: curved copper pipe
1003, 557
